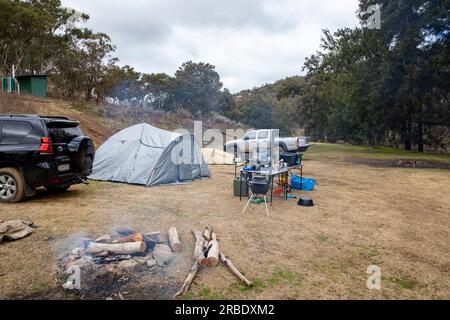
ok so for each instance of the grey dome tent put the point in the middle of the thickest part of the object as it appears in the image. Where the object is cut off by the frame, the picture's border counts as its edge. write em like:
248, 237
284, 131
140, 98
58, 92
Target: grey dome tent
145, 155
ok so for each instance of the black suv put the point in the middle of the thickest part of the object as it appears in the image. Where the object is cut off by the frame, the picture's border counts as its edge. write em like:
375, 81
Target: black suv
40, 151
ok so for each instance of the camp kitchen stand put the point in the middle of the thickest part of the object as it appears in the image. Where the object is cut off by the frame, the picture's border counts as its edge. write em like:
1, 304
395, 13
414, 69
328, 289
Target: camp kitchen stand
272, 173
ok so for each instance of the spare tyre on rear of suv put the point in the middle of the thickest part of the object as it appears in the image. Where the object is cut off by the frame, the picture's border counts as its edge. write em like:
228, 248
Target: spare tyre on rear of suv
82, 153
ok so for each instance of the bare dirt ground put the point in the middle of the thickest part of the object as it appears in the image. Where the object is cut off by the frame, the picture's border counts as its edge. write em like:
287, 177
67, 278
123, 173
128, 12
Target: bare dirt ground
395, 218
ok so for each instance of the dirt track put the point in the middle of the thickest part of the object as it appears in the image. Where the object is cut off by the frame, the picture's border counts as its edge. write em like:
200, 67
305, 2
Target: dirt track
395, 218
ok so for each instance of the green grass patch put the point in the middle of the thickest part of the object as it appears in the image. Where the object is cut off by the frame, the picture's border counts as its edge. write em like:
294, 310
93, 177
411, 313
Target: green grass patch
322, 238
188, 296
38, 286
258, 284
320, 151
404, 282
369, 252
284, 277
208, 294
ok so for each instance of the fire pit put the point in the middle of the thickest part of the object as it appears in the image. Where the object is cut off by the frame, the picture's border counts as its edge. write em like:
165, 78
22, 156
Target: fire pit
103, 265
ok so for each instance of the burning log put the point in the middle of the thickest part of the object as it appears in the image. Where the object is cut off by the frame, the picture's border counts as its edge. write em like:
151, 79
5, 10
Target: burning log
233, 269
174, 240
213, 252
187, 283
117, 248
135, 237
199, 254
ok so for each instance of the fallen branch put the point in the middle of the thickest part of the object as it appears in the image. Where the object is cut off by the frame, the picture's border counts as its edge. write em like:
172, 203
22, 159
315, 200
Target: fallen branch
187, 283
232, 267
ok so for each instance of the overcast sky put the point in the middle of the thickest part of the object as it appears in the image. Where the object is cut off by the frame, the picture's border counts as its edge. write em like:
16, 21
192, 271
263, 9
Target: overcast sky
251, 42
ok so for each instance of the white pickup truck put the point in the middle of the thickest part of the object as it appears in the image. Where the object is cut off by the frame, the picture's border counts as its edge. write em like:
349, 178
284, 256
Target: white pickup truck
250, 142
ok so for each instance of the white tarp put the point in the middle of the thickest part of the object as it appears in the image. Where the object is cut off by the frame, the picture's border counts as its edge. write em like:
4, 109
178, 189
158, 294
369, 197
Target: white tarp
146, 155
214, 156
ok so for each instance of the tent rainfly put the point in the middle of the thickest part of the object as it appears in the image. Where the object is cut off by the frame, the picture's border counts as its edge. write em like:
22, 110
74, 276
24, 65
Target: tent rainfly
145, 155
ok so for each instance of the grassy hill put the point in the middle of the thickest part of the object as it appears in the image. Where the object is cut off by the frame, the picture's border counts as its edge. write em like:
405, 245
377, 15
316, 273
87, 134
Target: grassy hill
100, 122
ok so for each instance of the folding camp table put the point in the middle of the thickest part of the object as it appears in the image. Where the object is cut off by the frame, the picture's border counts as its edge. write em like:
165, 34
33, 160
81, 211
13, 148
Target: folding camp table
272, 173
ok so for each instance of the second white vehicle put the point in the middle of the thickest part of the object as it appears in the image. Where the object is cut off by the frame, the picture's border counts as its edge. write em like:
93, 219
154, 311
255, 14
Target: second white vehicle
250, 142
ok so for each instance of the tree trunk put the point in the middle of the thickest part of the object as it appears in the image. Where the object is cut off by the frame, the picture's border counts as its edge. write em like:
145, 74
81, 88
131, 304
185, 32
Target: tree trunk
117, 248
407, 135
420, 134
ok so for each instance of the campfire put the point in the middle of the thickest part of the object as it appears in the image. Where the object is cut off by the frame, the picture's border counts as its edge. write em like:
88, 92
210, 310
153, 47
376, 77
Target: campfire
105, 263
117, 257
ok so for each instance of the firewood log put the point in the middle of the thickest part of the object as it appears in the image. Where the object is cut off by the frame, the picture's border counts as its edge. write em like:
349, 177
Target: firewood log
207, 234
199, 254
233, 269
117, 248
213, 253
174, 240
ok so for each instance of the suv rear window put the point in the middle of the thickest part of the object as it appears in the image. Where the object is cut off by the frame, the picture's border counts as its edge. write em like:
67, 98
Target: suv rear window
64, 135
14, 131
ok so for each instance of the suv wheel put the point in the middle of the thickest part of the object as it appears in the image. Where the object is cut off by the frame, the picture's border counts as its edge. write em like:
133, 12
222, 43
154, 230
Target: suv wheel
12, 185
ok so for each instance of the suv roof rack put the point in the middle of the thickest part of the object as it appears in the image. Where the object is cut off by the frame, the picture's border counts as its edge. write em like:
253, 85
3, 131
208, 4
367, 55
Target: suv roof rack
19, 115
54, 117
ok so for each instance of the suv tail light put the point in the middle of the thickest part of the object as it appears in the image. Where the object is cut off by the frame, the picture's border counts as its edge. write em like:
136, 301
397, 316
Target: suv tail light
46, 146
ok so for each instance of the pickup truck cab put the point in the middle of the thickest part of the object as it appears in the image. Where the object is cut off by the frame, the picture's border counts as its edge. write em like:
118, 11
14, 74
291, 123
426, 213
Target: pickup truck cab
256, 138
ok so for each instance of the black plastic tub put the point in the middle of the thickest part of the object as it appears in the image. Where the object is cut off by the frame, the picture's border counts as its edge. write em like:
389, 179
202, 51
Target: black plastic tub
306, 202
292, 159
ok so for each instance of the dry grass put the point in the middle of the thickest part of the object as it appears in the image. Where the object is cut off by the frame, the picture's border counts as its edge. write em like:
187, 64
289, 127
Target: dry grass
391, 217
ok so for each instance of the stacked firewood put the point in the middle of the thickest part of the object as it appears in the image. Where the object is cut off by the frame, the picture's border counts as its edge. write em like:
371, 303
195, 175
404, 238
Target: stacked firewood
207, 254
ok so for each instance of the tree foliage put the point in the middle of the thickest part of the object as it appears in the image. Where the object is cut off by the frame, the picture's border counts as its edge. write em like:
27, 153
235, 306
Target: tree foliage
370, 86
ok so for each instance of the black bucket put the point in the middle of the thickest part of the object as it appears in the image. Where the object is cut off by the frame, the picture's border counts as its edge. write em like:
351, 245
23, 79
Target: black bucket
306, 202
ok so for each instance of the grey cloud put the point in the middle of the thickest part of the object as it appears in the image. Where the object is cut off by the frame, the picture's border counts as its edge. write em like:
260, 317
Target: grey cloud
250, 41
